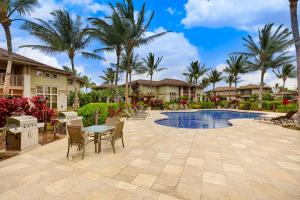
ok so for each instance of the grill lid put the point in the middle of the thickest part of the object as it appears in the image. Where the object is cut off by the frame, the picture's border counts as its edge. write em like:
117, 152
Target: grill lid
68, 115
21, 121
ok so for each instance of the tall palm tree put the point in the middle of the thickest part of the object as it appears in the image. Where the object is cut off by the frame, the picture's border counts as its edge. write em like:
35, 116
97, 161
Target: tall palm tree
286, 71
151, 65
269, 52
62, 34
296, 36
112, 35
86, 82
204, 83
214, 77
276, 88
236, 67
135, 28
135, 66
109, 76
230, 79
9, 10
196, 70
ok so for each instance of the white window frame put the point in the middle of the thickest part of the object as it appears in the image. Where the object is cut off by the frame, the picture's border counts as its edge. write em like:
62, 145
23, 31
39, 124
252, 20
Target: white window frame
50, 94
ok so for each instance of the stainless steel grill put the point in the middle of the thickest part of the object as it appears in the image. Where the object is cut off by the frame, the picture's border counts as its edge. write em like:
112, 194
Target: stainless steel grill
22, 132
66, 118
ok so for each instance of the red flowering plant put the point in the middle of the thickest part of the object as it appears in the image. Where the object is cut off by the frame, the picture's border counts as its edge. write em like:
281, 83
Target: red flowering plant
40, 109
15, 106
285, 102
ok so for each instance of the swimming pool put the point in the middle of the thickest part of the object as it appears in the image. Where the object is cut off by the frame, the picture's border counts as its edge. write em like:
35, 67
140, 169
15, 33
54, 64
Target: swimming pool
204, 119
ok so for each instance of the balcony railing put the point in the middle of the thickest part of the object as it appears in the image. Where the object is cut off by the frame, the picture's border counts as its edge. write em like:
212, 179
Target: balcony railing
14, 80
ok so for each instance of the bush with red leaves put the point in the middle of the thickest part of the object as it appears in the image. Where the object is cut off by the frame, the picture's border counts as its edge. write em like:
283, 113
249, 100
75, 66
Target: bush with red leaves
21, 106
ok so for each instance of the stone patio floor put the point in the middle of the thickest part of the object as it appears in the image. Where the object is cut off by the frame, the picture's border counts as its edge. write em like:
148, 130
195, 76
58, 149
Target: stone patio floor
248, 161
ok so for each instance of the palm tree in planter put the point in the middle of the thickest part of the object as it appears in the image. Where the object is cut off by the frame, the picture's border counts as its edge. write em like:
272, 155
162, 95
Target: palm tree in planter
151, 65
214, 77
287, 71
9, 10
236, 67
269, 52
196, 70
135, 28
111, 35
62, 34
296, 37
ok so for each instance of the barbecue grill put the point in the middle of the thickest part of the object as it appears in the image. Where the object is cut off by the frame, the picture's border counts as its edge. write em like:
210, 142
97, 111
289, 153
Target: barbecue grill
65, 118
22, 132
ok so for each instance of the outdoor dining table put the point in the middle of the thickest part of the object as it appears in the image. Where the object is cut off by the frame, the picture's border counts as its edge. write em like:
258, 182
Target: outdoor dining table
98, 131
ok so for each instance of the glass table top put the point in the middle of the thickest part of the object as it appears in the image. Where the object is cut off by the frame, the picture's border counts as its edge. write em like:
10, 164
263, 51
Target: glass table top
98, 128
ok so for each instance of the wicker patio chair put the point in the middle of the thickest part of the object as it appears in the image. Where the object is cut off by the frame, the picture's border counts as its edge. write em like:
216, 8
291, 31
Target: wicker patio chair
116, 135
77, 138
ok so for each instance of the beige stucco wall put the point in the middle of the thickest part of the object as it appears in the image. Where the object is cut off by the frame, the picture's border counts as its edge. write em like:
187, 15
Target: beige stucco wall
71, 86
60, 82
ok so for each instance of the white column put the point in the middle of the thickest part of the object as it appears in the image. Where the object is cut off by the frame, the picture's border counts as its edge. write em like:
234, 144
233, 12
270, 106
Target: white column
27, 86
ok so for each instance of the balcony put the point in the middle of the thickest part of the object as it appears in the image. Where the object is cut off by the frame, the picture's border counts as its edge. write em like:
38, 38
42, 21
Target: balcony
16, 84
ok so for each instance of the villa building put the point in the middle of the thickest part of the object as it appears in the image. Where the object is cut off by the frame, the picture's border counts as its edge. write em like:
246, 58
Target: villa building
30, 78
165, 90
244, 92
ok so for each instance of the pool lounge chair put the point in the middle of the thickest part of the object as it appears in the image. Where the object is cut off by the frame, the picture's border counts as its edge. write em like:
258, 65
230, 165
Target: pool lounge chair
134, 116
138, 112
286, 118
280, 119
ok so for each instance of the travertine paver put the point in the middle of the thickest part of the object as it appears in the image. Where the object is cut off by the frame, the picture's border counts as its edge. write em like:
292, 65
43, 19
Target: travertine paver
248, 161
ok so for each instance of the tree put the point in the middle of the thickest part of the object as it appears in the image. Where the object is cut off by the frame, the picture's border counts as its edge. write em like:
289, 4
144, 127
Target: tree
66, 68
195, 71
86, 82
204, 82
135, 66
276, 88
9, 9
236, 67
135, 27
269, 52
286, 71
112, 35
151, 65
214, 77
296, 37
109, 76
62, 34
230, 79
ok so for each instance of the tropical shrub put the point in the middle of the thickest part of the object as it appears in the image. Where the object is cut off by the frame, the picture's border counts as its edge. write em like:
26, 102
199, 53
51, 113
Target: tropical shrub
268, 97
104, 109
206, 104
287, 108
17, 106
157, 103
271, 105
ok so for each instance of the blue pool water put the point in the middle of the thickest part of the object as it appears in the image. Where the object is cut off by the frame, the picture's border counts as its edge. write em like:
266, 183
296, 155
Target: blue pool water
204, 119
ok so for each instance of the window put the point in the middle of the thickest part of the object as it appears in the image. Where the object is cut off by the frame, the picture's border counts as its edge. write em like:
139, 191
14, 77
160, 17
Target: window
47, 75
50, 93
172, 96
54, 75
39, 73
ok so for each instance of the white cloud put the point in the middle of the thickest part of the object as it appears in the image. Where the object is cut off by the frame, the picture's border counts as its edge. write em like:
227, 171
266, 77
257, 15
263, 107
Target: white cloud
91, 5
176, 50
243, 14
46, 7
171, 10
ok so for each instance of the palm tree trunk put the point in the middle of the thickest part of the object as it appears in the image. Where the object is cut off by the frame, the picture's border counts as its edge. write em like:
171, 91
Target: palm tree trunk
118, 53
129, 52
197, 99
235, 88
126, 91
75, 106
130, 75
151, 84
295, 30
283, 85
261, 88
6, 27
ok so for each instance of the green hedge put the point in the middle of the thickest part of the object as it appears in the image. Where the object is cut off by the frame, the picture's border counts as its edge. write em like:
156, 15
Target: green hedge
287, 108
248, 105
271, 105
87, 112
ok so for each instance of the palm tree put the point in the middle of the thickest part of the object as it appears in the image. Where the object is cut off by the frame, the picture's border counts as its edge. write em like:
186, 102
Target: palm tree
236, 67
9, 9
204, 82
86, 82
135, 66
269, 52
151, 65
109, 76
196, 70
287, 71
135, 27
62, 34
214, 76
296, 36
112, 35
230, 79
276, 88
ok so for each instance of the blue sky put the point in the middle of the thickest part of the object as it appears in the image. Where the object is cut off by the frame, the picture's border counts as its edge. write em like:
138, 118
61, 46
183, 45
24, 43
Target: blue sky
201, 30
